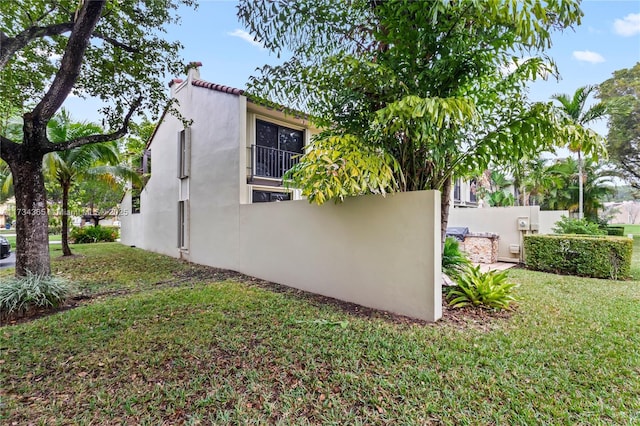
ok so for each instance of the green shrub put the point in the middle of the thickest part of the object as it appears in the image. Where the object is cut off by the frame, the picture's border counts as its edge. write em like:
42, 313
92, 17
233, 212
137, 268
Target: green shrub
454, 261
20, 294
55, 230
567, 225
482, 289
582, 255
617, 231
94, 234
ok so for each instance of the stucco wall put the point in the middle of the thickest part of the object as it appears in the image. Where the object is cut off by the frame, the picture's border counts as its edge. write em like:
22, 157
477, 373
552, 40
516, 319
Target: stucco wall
503, 221
548, 219
131, 233
217, 135
378, 252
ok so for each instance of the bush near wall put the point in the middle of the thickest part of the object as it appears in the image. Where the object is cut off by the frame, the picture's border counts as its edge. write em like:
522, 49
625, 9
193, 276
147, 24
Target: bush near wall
94, 234
615, 230
583, 255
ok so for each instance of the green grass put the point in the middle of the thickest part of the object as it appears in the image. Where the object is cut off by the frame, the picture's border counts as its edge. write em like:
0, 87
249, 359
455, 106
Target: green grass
632, 229
12, 239
183, 347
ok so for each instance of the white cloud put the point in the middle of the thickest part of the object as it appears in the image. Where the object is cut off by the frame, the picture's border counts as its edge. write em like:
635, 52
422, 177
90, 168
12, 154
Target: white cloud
628, 26
588, 56
246, 37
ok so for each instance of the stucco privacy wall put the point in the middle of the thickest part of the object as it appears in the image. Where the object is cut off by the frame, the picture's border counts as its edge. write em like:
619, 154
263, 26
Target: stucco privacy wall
379, 252
503, 221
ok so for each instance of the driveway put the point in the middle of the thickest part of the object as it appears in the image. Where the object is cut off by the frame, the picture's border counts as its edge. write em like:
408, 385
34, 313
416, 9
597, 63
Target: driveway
8, 262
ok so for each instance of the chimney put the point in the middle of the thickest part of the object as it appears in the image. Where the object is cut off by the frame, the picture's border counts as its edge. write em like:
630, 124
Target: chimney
193, 71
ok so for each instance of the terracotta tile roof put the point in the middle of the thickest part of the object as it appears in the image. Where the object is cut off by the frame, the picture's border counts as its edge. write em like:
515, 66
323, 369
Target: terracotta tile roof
218, 87
239, 92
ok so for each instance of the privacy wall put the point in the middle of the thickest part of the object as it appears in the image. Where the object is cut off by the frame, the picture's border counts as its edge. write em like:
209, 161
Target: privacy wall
380, 252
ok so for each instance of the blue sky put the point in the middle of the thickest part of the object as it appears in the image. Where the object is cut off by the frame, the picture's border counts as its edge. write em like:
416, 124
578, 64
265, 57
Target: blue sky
607, 40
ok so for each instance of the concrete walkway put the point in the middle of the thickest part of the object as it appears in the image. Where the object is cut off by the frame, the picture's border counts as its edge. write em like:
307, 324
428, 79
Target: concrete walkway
499, 266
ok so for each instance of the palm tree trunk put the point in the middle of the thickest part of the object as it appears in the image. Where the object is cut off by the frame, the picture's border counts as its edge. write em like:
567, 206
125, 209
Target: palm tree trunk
580, 189
66, 251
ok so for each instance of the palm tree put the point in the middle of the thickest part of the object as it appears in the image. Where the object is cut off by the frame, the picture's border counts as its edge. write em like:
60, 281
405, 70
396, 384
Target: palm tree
574, 107
94, 161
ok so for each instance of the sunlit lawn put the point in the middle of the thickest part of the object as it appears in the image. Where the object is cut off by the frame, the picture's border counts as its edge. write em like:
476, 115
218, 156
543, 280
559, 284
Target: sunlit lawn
183, 344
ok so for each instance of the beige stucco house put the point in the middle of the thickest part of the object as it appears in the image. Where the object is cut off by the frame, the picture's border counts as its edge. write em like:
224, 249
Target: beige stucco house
240, 149
215, 197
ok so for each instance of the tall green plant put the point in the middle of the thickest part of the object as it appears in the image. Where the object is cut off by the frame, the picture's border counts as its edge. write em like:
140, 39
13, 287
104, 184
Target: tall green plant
575, 108
425, 82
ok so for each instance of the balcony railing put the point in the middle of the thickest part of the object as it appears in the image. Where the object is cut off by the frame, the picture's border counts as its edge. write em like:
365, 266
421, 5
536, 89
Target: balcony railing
269, 162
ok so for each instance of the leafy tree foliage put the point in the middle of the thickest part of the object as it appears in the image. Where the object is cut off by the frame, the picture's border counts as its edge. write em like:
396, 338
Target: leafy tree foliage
88, 163
434, 84
563, 191
49, 49
623, 140
575, 108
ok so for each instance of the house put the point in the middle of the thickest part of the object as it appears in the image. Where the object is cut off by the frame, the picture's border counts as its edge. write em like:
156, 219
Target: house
240, 147
215, 196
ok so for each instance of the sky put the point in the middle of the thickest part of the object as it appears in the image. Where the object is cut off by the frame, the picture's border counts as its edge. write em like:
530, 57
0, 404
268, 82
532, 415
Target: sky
607, 40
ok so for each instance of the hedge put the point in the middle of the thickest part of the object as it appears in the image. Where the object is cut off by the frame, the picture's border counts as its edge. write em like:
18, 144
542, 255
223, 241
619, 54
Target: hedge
615, 230
93, 234
583, 255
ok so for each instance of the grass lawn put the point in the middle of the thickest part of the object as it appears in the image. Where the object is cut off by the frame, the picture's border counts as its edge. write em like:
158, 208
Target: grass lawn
184, 344
12, 239
632, 229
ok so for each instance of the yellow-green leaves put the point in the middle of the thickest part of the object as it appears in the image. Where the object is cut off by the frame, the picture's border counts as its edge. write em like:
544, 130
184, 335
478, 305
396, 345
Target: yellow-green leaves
339, 166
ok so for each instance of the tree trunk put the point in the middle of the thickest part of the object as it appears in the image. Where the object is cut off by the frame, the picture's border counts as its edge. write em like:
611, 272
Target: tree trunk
32, 220
445, 203
66, 250
580, 189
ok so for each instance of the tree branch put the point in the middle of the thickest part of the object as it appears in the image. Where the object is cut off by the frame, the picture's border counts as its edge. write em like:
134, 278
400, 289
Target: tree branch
8, 148
115, 42
85, 140
10, 45
69, 70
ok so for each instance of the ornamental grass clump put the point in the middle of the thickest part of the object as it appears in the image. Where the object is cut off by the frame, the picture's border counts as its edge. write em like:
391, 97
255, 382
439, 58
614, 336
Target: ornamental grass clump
489, 290
19, 295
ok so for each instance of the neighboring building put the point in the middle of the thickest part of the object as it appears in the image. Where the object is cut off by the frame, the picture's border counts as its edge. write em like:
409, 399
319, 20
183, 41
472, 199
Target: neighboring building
626, 212
234, 151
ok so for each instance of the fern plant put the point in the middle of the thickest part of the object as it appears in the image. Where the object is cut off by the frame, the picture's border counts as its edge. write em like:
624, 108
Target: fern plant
454, 261
482, 289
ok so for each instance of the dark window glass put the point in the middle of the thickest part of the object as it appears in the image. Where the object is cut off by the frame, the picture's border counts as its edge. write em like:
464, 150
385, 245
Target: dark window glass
268, 196
456, 190
266, 134
279, 137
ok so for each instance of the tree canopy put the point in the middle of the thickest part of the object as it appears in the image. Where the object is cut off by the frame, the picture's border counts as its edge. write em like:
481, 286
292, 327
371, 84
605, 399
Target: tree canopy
440, 86
110, 50
623, 140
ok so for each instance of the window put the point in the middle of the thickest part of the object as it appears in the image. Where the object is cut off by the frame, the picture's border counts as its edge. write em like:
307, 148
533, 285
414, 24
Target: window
135, 200
182, 223
184, 153
270, 196
276, 149
456, 190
